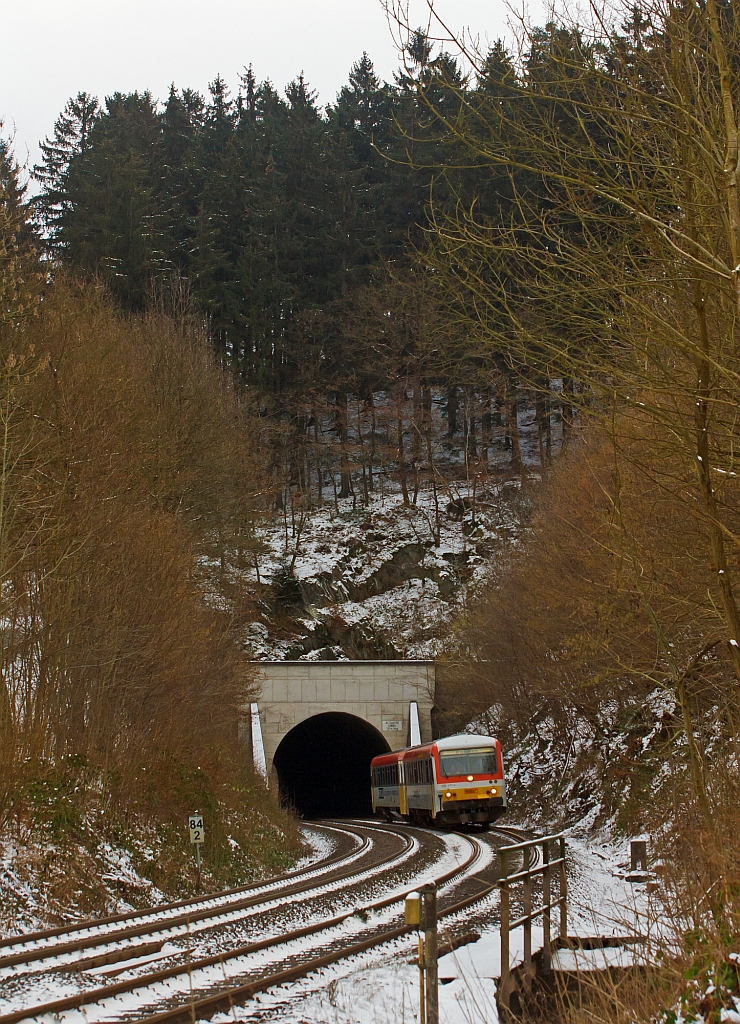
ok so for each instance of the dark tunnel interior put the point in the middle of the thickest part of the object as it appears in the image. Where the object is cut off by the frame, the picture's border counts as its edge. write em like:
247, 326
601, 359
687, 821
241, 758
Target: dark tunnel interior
323, 766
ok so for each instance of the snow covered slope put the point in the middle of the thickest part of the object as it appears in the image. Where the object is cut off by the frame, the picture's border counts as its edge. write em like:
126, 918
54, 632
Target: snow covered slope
378, 581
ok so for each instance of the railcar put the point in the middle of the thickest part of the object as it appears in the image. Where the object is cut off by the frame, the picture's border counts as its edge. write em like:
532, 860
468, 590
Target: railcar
454, 781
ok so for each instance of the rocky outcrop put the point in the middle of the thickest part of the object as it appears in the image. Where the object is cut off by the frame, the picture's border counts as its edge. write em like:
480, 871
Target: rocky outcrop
408, 562
333, 637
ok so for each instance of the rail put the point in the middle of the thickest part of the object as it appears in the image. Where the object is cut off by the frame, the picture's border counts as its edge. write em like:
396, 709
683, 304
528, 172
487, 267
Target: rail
283, 970
534, 865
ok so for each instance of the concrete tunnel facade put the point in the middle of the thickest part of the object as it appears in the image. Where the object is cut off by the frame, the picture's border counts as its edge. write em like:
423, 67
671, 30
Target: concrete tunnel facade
322, 722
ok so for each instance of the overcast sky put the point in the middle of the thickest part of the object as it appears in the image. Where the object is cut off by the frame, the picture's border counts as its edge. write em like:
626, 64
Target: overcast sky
53, 49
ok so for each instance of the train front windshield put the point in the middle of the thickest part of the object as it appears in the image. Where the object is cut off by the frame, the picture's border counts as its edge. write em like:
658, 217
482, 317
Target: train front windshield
475, 761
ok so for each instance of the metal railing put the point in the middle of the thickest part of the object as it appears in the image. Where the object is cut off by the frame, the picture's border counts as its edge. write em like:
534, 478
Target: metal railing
535, 862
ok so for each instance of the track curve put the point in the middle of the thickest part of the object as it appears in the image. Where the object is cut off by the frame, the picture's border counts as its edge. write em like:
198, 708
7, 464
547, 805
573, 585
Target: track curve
306, 920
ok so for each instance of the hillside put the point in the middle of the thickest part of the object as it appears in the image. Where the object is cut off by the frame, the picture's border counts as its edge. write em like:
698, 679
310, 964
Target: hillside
372, 576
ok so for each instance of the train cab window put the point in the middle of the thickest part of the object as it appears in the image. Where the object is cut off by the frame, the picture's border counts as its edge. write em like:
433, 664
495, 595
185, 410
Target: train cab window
474, 761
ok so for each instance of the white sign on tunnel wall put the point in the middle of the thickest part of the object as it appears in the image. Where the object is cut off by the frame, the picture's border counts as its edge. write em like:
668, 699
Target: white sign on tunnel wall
392, 725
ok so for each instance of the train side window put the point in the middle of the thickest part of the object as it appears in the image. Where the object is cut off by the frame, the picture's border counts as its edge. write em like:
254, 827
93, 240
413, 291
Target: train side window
385, 775
418, 772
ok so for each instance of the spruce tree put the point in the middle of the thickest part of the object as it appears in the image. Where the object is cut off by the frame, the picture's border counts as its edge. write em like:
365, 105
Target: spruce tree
68, 146
19, 271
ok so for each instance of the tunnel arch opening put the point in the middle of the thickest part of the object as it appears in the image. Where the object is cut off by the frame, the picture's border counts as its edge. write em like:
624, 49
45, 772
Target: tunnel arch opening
323, 765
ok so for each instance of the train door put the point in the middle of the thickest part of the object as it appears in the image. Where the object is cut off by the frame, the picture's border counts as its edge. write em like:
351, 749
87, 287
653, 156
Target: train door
404, 808
419, 786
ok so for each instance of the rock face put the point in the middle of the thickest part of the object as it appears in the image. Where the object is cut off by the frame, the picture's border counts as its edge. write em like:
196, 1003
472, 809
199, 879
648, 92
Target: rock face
381, 582
332, 638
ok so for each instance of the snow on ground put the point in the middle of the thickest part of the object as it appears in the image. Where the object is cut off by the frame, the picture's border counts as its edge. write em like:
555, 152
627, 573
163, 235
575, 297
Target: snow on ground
53, 986
601, 901
382, 986
389, 993
319, 846
30, 869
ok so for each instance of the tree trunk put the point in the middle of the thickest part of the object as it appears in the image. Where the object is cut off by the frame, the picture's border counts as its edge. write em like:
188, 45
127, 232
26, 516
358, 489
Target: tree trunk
516, 452
361, 439
486, 426
542, 418
706, 490
452, 407
471, 440
319, 470
373, 428
566, 406
342, 418
418, 417
401, 453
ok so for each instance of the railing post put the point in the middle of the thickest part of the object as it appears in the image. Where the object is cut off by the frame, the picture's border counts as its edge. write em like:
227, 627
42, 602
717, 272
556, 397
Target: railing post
546, 958
422, 989
527, 904
414, 916
429, 923
504, 885
563, 892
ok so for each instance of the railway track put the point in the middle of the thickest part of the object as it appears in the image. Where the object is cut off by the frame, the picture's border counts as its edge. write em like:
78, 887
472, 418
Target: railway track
189, 960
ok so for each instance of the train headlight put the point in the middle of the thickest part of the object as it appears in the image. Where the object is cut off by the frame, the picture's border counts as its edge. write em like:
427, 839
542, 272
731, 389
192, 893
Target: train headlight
448, 794
470, 778
494, 791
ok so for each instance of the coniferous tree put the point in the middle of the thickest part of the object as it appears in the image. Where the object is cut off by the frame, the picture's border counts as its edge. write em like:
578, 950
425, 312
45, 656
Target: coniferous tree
58, 203
19, 271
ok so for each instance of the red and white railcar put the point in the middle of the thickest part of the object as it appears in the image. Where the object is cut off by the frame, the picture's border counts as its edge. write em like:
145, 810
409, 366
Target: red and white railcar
453, 781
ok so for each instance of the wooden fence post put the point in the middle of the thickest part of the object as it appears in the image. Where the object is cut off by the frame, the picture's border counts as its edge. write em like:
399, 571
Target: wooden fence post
546, 888
563, 892
527, 905
503, 883
429, 923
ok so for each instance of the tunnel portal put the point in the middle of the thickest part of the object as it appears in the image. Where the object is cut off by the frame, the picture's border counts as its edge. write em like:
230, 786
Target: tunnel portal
323, 765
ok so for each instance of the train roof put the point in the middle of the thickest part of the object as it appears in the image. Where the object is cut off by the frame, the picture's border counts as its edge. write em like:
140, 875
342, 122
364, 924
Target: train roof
463, 740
